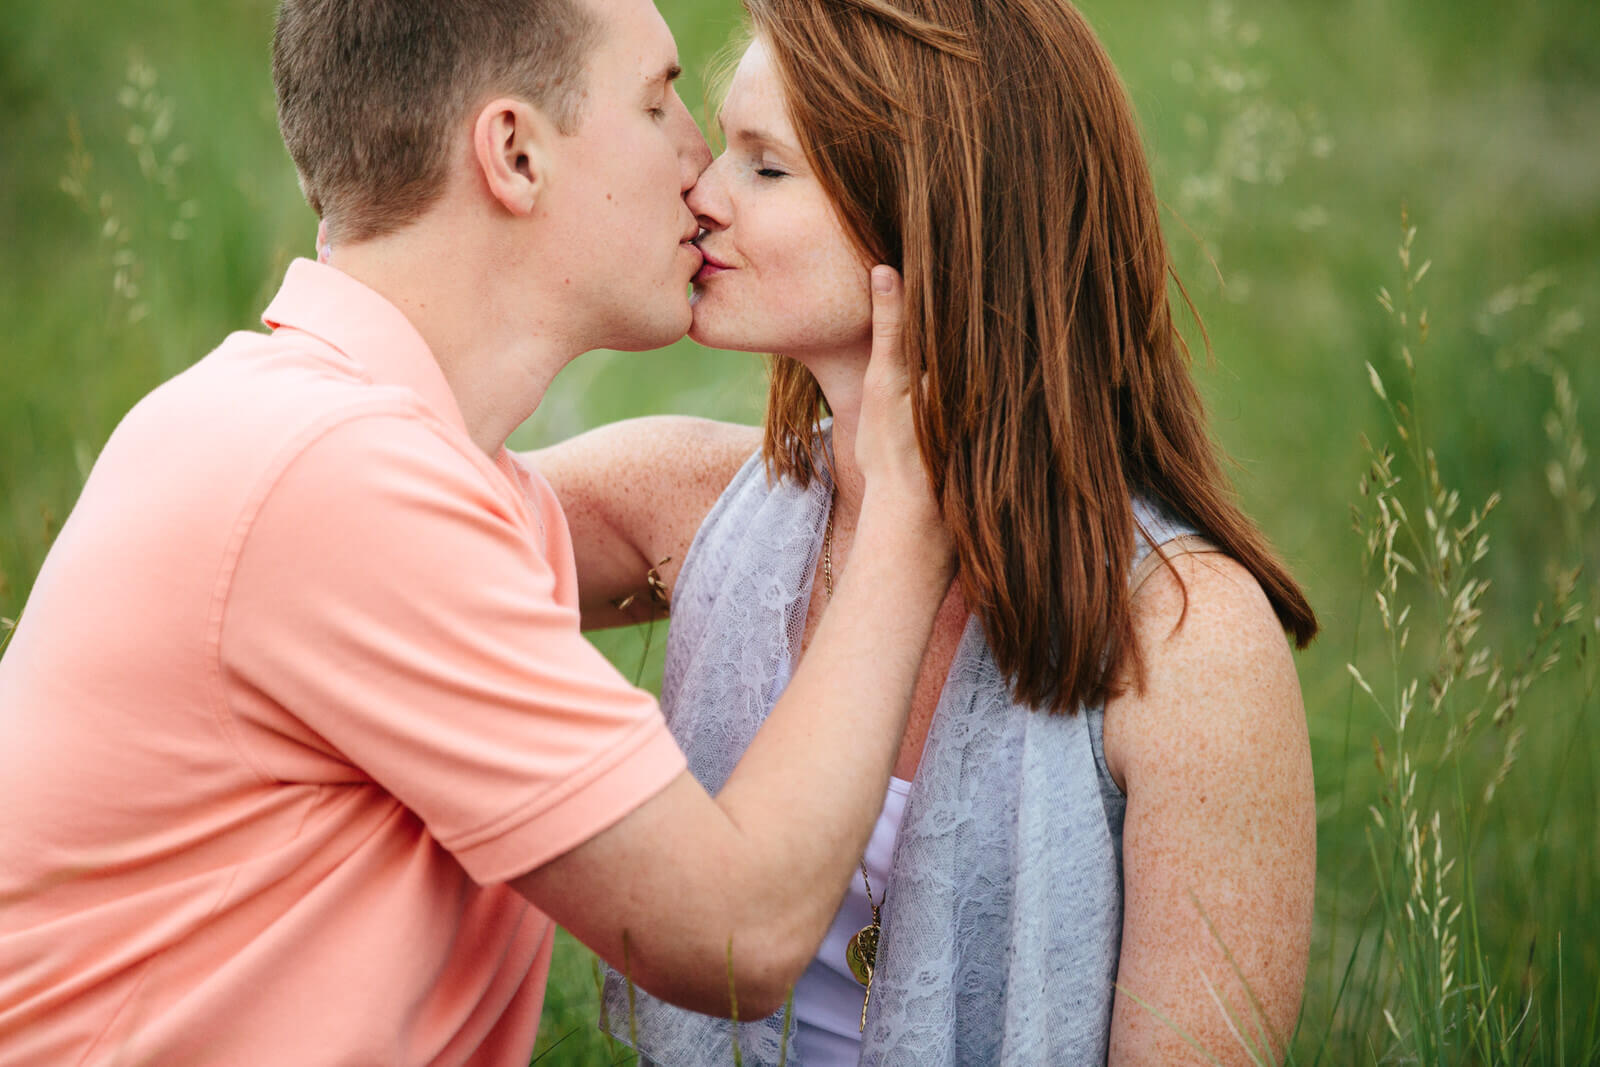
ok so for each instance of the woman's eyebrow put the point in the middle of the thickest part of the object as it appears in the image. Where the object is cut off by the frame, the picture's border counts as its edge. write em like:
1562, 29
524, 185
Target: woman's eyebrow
750, 135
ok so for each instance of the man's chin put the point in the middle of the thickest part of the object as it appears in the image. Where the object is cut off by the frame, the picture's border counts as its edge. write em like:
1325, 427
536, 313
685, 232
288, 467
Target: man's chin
659, 333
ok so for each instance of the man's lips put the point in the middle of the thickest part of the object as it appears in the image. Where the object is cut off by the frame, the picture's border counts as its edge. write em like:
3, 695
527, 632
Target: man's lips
688, 245
689, 241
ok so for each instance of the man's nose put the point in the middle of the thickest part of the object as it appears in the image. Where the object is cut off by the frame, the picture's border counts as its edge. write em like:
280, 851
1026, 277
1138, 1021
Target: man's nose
694, 152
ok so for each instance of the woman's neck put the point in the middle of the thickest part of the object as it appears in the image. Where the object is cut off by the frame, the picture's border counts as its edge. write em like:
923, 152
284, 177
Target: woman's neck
841, 376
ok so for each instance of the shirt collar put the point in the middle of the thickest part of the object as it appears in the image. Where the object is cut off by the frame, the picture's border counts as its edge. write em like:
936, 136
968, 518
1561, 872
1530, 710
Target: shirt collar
335, 308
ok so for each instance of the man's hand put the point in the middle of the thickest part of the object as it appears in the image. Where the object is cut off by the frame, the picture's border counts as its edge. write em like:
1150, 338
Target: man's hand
887, 450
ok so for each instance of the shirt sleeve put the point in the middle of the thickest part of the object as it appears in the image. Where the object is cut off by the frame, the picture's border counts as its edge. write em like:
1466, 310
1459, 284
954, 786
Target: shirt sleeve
390, 618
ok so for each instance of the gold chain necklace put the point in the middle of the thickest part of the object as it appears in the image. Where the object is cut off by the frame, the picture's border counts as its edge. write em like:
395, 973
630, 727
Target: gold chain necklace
862, 951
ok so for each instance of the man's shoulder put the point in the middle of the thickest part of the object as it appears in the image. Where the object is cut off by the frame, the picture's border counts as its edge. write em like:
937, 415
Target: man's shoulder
214, 442
251, 398
271, 383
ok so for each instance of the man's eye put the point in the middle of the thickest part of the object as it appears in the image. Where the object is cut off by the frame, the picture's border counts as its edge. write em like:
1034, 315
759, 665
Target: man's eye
657, 112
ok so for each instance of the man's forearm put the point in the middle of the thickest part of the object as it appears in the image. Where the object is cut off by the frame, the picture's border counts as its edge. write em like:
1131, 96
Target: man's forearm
835, 732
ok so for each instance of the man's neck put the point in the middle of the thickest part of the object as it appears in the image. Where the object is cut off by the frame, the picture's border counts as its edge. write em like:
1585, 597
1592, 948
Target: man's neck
497, 352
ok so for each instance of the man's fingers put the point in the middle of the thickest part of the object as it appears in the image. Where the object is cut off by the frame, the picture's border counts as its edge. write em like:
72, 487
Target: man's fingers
888, 299
887, 450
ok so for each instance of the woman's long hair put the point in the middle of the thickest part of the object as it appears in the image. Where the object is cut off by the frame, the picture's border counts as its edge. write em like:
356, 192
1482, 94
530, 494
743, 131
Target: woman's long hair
988, 150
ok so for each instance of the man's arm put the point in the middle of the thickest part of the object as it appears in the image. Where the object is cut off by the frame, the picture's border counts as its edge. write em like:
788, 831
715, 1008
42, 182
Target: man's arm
687, 887
390, 619
634, 493
763, 866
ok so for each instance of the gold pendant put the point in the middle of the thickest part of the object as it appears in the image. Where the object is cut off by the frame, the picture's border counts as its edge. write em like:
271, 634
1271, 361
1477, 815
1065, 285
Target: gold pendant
862, 952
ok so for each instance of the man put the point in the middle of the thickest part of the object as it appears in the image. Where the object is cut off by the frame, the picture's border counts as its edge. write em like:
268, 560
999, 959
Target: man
300, 749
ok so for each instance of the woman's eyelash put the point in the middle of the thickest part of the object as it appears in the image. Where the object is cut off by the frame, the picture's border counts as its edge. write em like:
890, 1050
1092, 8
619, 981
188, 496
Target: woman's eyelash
771, 172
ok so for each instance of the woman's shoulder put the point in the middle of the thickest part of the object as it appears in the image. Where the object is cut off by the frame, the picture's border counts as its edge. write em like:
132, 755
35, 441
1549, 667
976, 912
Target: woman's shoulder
761, 524
1219, 846
756, 502
1217, 678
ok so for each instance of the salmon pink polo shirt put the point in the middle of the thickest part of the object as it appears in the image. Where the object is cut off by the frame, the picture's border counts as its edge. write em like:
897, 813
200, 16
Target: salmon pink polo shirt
299, 687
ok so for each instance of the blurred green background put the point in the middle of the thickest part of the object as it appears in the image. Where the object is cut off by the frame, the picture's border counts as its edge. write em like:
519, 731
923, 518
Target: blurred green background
150, 208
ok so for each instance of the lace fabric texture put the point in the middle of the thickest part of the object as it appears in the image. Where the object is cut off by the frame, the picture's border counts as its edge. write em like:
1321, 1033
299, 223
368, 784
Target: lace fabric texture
1004, 905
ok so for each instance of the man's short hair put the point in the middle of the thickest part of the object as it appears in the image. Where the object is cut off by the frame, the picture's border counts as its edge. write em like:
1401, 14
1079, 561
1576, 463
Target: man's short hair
369, 90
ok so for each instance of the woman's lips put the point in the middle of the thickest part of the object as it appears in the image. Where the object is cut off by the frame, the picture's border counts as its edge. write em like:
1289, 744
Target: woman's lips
710, 268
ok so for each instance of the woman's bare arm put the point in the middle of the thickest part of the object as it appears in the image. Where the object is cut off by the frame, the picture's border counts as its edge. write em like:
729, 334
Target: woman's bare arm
634, 493
1219, 845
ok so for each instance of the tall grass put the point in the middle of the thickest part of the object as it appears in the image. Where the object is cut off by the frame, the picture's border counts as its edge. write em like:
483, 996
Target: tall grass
1432, 977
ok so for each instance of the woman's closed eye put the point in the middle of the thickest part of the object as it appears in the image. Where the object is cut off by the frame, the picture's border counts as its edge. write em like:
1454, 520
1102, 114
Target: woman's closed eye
771, 172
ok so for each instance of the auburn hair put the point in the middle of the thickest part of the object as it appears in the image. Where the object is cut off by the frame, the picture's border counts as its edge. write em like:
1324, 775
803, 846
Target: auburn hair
988, 151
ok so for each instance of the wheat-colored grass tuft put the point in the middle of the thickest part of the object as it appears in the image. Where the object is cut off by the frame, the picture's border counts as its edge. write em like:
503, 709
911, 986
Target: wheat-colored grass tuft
1450, 703
148, 133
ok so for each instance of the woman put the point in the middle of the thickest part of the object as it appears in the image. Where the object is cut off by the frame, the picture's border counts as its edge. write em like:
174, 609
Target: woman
1100, 841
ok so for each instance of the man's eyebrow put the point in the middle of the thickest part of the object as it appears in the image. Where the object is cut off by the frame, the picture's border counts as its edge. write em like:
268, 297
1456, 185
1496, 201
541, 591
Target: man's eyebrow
668, 75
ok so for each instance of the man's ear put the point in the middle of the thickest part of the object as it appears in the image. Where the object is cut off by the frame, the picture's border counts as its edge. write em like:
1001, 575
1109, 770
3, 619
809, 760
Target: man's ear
511, 145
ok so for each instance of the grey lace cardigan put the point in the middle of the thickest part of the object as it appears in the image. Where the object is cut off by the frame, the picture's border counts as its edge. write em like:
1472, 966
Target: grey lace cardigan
1004, 910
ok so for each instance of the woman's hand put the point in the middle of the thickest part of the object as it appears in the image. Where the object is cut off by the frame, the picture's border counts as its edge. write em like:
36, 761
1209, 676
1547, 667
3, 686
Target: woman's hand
887, 452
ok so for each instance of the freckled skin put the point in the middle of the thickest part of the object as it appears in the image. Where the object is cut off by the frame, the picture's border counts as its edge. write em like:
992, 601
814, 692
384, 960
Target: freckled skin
1221, 822
634, 494
948, 626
